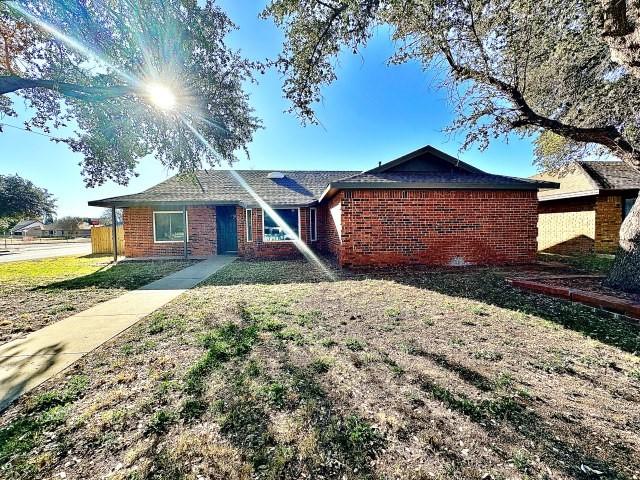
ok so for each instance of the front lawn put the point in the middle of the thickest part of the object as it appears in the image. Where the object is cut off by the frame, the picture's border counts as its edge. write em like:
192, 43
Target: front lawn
269, 371
39, 292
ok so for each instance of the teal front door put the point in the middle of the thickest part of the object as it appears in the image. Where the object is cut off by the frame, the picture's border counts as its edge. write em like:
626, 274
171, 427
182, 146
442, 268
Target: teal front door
227, 229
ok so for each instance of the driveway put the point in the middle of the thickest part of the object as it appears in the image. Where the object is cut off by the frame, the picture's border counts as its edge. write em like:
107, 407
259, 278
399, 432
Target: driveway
36, 252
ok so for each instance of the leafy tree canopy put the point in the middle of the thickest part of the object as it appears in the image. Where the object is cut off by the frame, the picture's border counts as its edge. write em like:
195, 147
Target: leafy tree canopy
100, 66
106, 218
547, 67
68, 224
19, 198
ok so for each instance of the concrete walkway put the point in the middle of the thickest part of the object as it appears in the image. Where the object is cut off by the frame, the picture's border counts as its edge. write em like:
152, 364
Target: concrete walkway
27, 362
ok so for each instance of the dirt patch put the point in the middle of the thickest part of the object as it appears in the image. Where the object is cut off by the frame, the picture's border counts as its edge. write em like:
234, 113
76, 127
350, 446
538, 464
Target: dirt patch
414, 375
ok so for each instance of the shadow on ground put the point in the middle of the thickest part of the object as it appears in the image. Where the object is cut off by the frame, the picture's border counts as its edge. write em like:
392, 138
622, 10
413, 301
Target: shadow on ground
486, 285
17, 361
128, 276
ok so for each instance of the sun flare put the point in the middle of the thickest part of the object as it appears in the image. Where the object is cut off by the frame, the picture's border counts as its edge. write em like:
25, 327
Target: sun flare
161, 96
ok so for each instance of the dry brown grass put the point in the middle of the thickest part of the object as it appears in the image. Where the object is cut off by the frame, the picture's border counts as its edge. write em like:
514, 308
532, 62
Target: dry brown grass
413, 375
35, 293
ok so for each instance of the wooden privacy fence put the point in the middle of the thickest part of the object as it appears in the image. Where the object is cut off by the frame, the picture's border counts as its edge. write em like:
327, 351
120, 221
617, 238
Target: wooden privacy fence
101, 240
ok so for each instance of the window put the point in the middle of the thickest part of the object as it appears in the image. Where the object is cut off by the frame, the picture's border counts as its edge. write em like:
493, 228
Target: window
272, 232
313, 224
249, 224
626, 207
168, 227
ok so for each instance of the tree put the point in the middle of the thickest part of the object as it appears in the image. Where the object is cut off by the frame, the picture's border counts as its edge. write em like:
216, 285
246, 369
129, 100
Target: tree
68, 224
566, 71
106, 218
19, 198
137, 77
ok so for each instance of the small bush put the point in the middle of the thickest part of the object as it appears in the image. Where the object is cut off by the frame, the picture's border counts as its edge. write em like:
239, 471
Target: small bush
488, 355
354, 344
321, 365
158, 323
160, 421
193, 408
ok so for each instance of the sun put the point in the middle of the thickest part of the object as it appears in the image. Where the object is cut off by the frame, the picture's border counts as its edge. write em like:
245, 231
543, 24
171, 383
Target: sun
161, 96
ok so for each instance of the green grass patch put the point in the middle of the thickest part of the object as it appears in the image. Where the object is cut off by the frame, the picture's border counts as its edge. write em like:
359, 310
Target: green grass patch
44, 412
222, 344
597, 264
354, 344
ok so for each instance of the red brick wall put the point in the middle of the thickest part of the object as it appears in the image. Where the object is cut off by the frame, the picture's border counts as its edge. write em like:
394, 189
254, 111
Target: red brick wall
438, 227
268, 250
138, 233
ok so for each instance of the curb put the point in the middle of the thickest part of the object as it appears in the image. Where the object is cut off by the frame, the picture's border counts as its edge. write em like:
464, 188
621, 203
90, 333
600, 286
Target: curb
607, 302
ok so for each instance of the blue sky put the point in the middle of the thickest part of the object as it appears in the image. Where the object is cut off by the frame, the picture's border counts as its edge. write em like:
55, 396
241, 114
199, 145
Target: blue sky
373, 112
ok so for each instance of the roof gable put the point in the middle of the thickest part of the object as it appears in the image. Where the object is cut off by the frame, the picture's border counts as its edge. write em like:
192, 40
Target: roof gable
426, 160
612, 175
26, 223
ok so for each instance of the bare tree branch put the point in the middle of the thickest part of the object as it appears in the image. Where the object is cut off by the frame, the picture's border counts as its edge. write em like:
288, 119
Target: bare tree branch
608, 136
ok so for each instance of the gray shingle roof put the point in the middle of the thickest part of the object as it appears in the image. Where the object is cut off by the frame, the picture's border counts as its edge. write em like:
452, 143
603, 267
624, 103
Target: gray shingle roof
24, 223
426, 167
612, 175
297, 188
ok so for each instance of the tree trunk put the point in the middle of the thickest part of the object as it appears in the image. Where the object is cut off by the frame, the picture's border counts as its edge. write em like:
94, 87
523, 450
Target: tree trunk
622, 32
625, 273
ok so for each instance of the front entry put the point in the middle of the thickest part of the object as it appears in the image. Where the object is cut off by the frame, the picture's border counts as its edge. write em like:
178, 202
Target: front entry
227, 229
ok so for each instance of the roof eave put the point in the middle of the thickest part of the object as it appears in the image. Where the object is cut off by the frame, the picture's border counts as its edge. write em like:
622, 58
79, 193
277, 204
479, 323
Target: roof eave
334, 187
118, 203
568, 195
109, 203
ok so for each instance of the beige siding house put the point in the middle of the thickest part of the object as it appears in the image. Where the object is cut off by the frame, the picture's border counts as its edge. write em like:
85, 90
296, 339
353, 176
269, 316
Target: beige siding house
586, 213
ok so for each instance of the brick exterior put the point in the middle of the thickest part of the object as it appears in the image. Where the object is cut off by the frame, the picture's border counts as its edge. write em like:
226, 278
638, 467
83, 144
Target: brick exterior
375, 228
329, 227
269, 250
608, 210
580, 225
567, 226
437, 227
138, 234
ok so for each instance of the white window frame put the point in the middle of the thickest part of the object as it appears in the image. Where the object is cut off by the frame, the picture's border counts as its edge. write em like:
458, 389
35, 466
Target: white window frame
280, 241
170, 211
249, 226
313, 232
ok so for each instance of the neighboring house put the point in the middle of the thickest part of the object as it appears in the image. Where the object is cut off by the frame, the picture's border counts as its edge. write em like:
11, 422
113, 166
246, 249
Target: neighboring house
37, 229
423, 208
586, 213
27, 228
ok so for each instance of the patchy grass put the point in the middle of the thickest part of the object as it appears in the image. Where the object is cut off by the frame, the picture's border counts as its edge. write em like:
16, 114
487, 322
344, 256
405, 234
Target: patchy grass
36, 293
597, 264
412, 375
